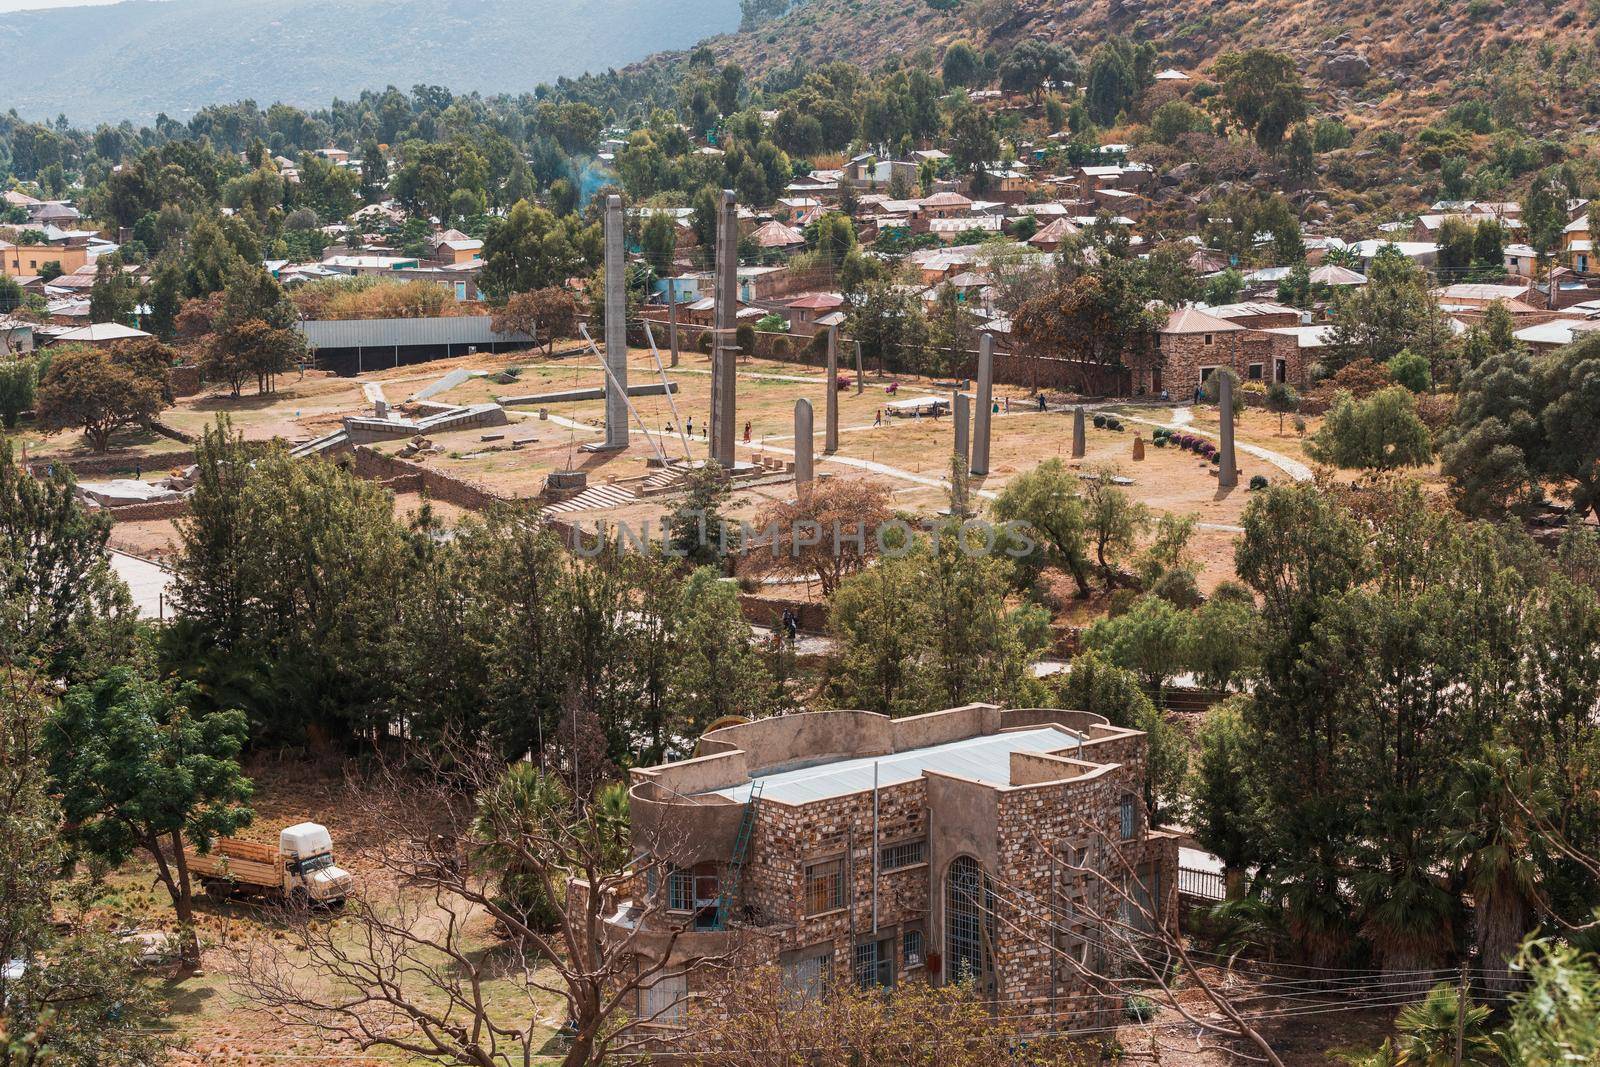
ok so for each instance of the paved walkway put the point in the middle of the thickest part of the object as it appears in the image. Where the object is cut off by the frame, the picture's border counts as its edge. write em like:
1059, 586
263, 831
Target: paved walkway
146, 580
876, 468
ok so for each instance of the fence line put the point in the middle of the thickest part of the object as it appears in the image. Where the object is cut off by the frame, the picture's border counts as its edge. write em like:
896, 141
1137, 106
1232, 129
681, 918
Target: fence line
1201, 884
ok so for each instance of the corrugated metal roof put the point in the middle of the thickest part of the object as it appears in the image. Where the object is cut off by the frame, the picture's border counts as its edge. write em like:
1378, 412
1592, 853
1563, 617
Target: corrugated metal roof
987, 759
388, 333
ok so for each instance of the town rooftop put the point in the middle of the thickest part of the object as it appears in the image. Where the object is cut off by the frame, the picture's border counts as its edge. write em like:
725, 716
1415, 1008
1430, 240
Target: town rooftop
986, 758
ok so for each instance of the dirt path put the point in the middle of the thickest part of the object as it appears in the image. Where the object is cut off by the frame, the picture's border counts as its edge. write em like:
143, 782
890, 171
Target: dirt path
1183, 419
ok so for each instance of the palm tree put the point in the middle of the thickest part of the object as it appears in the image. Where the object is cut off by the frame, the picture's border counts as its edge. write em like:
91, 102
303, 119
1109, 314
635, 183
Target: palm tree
1493, 843
1246, 925
1427, 1032
1406, 914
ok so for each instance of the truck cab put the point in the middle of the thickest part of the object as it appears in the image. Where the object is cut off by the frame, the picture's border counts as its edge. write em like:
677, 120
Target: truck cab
305, 853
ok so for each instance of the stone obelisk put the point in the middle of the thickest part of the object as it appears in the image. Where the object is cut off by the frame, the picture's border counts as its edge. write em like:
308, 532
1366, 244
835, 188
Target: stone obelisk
1228, 467
724, 363
962, 406
1079, 437
804, 444
616, 325
830, 432
985, 412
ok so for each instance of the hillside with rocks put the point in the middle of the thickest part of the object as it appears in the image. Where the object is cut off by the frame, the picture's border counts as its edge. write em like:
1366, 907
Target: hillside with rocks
1509, 87
1371, 57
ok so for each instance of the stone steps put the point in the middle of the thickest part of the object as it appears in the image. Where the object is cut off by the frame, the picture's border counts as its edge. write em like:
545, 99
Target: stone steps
596, 496
322, 444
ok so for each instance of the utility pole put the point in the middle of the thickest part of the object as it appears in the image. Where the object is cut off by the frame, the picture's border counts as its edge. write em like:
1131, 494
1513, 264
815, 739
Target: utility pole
1461, 1017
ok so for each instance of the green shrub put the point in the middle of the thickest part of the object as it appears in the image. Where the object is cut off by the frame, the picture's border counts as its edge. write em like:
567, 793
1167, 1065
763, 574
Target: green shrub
1411, 370
746, 336
1258, 483
18, 379
1331, 134
1139, 1009
1099, 422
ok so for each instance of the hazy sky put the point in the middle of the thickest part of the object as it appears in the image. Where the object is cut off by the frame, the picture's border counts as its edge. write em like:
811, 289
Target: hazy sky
35, 5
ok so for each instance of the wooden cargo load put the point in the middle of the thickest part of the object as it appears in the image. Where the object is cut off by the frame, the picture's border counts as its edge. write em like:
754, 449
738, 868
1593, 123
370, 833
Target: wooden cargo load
246, 862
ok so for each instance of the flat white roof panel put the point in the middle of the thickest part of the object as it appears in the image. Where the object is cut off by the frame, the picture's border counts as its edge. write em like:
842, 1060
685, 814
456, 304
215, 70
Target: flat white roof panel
987, 759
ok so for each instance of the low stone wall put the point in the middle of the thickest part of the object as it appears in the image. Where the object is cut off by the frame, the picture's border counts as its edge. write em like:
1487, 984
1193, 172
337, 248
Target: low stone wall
155, 509
768, 610
1048, 372
89, 468
404, 483
372, 464
1010, 368
171, 433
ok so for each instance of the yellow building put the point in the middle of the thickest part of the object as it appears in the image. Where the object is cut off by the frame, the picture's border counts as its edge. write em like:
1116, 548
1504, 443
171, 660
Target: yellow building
1577, 246
454, 248
26, 261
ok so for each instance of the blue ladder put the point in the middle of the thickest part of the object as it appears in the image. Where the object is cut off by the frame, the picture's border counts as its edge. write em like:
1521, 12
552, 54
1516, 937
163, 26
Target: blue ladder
741, 845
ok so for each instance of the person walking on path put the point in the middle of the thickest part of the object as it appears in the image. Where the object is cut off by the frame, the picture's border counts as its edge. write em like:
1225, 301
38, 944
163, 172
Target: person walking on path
877, 417
791, 625
746, 431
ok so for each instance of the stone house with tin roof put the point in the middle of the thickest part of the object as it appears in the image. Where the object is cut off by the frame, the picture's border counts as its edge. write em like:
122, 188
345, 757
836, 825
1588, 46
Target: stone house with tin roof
845, 846
1195, 344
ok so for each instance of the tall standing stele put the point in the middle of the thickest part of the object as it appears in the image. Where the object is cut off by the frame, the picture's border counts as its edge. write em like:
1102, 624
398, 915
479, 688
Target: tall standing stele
1228, 467
981, 426
804, 445
830, 432
724, 369
616, 294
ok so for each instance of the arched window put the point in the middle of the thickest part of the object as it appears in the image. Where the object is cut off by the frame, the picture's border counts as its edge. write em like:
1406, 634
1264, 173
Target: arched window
968, 923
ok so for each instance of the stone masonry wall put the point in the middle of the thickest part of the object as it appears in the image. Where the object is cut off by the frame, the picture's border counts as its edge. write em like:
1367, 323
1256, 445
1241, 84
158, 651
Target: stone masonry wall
1059, 820
1032, 823
1185, 354
373, 464
155, 509
787, 838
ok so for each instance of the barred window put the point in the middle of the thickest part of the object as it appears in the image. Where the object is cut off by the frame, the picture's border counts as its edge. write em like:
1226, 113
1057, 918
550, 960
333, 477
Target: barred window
1126, 818
875, 964
905, 854
968, 921
824, 886
911, 949
808, 978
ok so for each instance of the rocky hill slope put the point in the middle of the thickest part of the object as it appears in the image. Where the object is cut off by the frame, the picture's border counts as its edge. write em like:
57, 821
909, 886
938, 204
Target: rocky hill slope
1399, 58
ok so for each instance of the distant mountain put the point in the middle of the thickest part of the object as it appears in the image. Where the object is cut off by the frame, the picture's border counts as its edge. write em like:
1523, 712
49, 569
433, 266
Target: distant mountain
134, 59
